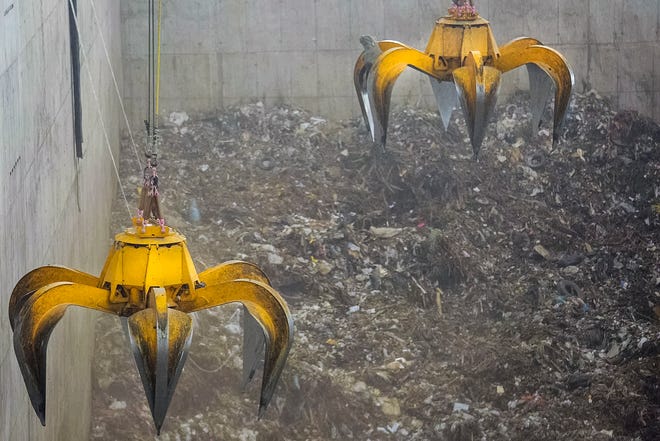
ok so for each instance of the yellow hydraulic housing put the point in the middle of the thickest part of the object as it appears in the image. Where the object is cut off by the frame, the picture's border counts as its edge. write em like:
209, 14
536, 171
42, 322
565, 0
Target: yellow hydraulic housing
464, 64
149, 278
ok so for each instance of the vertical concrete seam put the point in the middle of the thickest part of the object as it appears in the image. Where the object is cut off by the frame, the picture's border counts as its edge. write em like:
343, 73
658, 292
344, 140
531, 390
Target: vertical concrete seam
589, 42
557, 22
220, 80
656, 63
38, 31
29, 426
618, 12
316, 55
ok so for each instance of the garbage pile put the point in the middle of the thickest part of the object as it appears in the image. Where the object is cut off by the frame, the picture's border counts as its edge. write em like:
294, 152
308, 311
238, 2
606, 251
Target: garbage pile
435, 296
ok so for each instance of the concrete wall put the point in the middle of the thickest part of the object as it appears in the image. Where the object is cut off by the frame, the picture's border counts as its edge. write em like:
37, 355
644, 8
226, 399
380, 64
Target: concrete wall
222, 52
54, 208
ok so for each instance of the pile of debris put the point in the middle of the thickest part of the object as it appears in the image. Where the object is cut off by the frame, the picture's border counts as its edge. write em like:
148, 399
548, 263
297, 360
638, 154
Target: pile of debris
435, 296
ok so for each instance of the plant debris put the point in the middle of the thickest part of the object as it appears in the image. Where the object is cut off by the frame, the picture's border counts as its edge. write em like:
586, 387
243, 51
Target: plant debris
435, 296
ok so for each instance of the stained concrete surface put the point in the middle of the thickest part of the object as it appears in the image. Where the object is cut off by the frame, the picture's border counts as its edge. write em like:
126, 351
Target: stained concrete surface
54, 208
302, 52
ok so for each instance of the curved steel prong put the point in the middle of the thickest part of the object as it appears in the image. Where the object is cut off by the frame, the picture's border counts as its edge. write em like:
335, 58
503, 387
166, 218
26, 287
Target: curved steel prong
540, 90
270, 311
35, 322
253, 335
43, 276
528, 50
253, 345
387, 68
477, 87
386, 45
232, 270
446, 98
540, 83
160, 338
362, 69
360, 74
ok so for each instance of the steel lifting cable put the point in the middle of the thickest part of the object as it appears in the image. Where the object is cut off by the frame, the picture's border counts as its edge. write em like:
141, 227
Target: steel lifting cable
149, 63
160, 16
153, 77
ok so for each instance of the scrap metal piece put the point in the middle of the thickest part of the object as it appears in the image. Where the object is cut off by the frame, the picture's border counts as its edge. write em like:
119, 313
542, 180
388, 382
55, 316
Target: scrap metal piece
461, 33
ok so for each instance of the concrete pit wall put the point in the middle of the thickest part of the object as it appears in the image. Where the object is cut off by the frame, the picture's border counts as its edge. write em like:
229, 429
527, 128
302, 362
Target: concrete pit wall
54, 208
220, 53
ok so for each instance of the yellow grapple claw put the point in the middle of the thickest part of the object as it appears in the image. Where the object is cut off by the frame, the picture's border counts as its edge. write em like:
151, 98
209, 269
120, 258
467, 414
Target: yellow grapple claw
40, 277
384, 73
268, 309
253, 335
477, 86
458, 41
36, 320
363, 66
530, 51
232, 270
149, 277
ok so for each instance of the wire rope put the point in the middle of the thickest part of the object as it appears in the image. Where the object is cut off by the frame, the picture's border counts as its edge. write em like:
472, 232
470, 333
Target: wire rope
160, 15
149, 63
114, 80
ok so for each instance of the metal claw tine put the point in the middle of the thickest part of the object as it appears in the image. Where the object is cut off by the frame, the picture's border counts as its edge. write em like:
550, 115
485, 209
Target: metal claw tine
268, 309
529, 50
361, 73
384, 73
38, 316
232, 270
160, 338
253, 337
40, 277
540, 91
253, 345
477, 87
446, 98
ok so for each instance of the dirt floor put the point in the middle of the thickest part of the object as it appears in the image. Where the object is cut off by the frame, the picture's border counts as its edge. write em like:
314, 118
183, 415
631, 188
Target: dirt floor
435, 296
